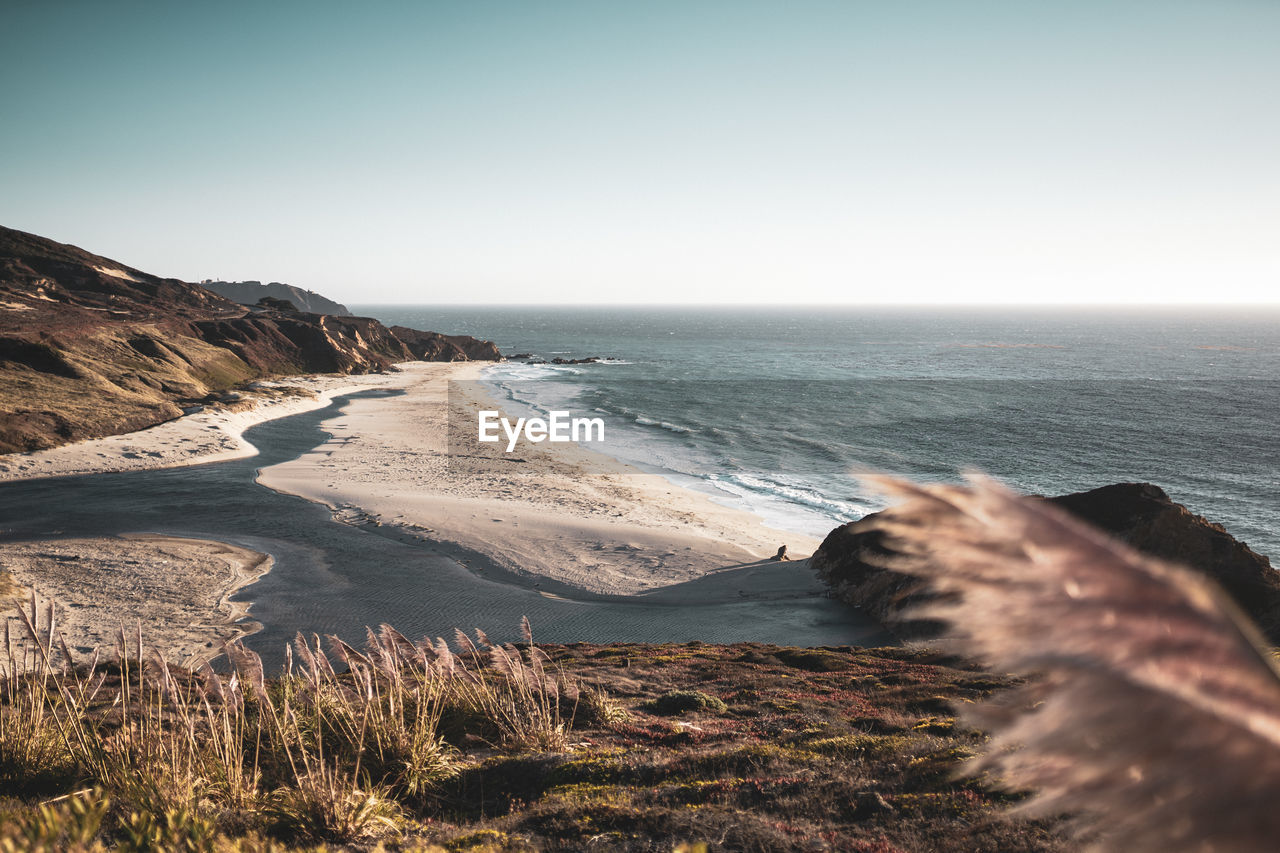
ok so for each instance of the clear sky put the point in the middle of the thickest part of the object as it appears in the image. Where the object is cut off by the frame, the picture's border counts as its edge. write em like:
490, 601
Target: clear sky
544, 151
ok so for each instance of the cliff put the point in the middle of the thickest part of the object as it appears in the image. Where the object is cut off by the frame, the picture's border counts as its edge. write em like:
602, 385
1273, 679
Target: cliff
249, 292
92, 347
851, 558
433, 346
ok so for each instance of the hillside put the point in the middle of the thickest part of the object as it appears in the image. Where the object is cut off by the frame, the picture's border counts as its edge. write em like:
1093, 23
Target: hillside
249, 292
747, 747
90, 346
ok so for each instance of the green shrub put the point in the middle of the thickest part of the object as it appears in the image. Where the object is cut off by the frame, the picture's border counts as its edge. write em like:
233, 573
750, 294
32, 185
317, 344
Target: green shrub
683, 701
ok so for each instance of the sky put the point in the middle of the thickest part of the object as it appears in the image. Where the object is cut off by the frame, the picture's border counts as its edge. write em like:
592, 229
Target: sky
658, 152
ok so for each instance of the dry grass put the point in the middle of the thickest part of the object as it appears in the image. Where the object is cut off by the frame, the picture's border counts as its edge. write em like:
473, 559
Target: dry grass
322, 752
477, 745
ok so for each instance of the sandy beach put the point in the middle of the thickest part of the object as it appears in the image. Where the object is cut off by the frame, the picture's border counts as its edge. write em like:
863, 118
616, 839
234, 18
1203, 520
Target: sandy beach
560, 518
214, 434
178, 589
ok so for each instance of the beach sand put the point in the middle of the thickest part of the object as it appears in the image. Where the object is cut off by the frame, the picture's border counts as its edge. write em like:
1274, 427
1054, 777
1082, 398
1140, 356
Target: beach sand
559, 518
178, 589
211, 435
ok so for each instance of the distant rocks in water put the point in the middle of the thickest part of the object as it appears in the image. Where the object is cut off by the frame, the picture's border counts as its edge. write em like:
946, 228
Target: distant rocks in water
252, 292
586, 360
851, 558
531, 358
91, 347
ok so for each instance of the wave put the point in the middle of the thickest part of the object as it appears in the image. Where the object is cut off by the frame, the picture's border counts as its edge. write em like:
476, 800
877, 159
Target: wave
693, 454
747, 486
643, 421
517, 372
606, 406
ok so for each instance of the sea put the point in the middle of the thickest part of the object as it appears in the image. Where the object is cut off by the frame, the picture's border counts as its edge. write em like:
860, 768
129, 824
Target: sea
779, 410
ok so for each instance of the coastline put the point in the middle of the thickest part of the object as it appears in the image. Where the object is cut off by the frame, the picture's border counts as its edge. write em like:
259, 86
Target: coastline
561, 519
563, 523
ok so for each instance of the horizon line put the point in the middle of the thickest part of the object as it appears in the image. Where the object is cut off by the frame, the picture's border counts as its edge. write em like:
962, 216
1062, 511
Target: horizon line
947, 305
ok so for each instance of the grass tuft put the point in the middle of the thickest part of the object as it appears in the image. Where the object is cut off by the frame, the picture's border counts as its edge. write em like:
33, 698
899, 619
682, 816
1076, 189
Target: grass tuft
332, 750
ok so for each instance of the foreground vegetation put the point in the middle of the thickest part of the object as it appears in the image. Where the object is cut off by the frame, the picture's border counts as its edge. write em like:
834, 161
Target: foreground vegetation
479, 746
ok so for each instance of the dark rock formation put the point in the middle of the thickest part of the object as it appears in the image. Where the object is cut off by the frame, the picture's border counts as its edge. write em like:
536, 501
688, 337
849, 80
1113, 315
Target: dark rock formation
1143, 516
270, 303
851, 562
287, 342
433, 346
851, 558
593, 359
91, 347
251, 292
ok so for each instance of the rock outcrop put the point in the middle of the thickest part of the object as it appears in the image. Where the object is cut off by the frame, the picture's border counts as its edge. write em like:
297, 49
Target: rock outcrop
91, 347
433, 346
851, 558
251, 292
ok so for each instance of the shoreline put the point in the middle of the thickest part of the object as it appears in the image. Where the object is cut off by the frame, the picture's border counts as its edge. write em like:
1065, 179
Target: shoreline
215, 434
562, 520
180, 589
568, 524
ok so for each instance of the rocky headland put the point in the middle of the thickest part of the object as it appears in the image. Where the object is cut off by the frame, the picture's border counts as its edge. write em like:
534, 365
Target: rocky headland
252, 292
851, 560
431, 346
91, 347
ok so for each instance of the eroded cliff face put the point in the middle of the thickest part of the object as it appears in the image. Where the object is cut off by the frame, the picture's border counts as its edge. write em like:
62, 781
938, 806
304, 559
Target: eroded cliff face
851, 558
433, 346
91, 347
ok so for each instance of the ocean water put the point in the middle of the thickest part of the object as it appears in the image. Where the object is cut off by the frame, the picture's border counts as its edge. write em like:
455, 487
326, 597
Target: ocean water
775, 410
